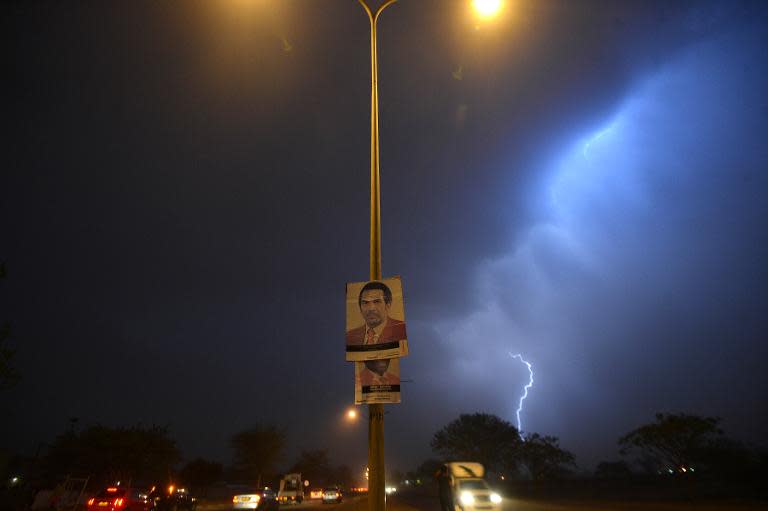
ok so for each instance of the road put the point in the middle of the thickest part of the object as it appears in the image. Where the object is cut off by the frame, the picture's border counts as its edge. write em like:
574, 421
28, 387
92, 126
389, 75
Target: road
349, 504
426, 500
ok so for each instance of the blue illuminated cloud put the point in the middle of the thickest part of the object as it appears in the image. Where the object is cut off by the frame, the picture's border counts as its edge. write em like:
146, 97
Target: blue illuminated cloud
646, 256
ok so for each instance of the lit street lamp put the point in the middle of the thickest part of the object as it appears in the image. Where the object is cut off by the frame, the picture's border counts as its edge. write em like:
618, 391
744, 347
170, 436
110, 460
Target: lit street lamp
375, 469
487, 8
376, 495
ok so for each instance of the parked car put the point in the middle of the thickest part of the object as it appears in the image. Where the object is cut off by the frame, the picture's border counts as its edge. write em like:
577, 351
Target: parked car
120, 498
265, 500
331, 495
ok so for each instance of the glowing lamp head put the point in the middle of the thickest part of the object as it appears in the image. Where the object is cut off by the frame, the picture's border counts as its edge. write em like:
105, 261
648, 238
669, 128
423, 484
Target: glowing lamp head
351, 414
487, 8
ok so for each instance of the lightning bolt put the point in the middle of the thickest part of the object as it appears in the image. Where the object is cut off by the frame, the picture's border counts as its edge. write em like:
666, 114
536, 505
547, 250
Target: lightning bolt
525, 391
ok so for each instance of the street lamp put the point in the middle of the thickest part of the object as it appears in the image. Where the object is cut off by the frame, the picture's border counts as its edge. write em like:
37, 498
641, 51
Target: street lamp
351, 414
487, 8
376, 495
376, 489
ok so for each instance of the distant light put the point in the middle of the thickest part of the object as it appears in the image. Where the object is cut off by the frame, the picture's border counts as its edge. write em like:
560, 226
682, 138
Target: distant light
14, 480
487, 8
390, 489
352, 414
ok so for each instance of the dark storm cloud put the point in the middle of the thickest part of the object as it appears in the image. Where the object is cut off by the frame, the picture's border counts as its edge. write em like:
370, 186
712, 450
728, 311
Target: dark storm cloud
185, 193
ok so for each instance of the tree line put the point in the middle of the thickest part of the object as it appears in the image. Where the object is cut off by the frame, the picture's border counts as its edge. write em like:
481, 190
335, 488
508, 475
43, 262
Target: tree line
148, 455
673, 444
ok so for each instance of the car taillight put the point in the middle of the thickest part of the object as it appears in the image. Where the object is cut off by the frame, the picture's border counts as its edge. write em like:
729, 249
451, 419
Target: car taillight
234, 498
118, 502
91, 501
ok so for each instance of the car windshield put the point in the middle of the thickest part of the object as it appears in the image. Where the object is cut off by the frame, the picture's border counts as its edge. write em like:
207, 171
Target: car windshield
473, 484
249, 491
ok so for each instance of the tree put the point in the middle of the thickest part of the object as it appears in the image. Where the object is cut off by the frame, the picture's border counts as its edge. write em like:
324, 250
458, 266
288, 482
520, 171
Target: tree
110, 454
427, 469
613, 470
257, 450
543, 456
342, 476
479, 437
674, 439
9, 376
314, 466
200, 473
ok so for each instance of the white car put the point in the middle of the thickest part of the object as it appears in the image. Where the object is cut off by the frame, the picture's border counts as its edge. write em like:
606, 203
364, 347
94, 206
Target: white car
331, 495
263, 500
474, 494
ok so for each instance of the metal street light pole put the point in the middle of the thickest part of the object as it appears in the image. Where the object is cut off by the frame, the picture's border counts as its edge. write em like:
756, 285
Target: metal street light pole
376, 494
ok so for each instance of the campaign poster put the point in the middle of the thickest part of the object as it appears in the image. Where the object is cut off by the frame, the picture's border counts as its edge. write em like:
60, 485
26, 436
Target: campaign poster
377, 381
375, 320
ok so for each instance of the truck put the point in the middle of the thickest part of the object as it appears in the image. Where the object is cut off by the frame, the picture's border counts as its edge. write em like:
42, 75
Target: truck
470, 491
291, 489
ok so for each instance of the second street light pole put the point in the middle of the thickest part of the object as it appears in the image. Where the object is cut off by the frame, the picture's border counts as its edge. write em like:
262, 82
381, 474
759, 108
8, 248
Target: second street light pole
376, 493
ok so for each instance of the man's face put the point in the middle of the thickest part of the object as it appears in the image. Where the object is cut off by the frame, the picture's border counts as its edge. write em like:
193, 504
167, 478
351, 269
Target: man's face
377, 366
374, 309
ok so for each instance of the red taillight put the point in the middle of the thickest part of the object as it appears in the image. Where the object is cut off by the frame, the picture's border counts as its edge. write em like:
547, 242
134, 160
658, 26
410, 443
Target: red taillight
118, 502
91, 501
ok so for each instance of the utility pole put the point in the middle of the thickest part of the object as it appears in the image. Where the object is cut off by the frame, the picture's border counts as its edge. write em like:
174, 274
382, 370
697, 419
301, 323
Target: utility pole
376, 493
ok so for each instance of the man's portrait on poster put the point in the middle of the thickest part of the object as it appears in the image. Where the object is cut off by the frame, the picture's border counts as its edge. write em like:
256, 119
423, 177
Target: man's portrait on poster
381, 335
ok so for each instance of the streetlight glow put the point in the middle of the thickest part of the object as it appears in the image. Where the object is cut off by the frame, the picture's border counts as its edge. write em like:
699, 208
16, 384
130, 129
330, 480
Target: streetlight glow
351, 414
487, 8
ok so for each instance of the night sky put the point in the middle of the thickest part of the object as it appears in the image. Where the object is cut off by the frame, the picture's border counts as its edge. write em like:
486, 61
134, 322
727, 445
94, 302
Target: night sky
184, 194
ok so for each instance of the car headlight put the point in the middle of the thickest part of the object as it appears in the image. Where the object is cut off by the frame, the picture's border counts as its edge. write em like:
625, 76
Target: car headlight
495, 498
467, 498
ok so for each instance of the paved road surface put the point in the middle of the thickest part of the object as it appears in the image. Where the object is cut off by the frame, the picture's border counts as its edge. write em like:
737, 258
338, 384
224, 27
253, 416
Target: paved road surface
426, 500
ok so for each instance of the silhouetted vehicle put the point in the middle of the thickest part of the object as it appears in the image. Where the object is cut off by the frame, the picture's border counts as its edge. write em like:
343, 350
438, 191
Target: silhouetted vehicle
173, 499
119, 498
331, 495
265, 500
